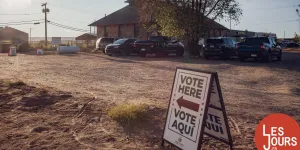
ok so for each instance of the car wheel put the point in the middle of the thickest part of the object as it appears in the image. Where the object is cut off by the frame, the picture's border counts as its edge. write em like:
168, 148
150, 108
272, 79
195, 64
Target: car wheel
103, 51
225, 57
142, 54
159, 54
180, 52
206, 57
242, 59
267, 58
279, 58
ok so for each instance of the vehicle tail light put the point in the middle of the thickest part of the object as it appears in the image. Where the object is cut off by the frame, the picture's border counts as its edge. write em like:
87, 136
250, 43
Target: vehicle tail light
134, 45
152, 45
236, 46
262, 47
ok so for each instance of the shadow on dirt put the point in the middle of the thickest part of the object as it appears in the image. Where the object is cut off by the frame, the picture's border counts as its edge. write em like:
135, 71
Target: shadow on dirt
148, 130
26, 97
296, 91
290, 61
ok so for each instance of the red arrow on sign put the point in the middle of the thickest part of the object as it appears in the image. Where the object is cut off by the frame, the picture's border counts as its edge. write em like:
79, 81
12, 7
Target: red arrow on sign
188, 104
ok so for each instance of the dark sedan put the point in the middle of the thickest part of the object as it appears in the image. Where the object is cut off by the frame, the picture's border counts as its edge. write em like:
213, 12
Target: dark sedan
121, 47
292, 45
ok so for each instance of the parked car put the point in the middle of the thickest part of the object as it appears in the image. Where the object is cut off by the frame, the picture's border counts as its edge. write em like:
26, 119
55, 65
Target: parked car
223, 47
159, 45
121, 46
103, 42
264, 48
292, 45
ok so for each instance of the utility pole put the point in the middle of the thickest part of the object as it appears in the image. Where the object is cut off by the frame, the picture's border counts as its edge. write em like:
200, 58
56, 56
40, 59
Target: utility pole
298, 13
230, 21
45, 10
30, 37
230, 12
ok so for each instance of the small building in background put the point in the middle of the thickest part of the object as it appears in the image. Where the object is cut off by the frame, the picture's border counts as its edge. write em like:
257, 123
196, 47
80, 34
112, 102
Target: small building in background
87, 39
238, 35
10, 36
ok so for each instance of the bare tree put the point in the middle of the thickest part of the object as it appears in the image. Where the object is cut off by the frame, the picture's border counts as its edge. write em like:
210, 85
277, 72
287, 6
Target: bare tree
188, 20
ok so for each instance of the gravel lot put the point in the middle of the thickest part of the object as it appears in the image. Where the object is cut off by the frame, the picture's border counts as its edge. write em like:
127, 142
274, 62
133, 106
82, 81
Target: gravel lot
251, 90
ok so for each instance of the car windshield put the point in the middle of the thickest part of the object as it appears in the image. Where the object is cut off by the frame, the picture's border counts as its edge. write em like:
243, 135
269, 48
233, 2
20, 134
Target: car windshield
214, 41
257, 40
121, 41
159, 38
107, 40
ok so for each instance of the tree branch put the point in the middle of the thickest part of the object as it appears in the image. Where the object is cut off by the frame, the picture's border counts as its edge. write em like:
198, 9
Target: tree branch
204, 7
213, 8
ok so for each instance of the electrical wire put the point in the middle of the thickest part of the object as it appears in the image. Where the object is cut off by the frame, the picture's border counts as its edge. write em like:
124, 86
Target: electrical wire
67, 27
72, 21
20, 14
19, 22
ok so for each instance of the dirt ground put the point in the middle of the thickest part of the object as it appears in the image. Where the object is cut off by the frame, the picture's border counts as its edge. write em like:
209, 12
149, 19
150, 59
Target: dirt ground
77, 90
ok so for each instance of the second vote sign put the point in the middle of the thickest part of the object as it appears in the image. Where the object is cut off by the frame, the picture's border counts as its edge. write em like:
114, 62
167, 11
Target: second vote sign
189, 115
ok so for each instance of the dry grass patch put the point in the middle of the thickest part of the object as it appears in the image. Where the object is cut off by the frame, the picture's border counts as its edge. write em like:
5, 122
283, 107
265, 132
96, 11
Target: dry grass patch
292, 49
128, 113
14, 83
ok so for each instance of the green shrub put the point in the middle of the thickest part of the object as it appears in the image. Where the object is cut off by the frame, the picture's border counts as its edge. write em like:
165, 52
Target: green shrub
128, 113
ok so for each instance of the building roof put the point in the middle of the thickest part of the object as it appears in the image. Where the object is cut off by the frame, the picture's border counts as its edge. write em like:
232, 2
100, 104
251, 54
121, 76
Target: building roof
215, 25
87, 36
129, 15
125, 15
10, 29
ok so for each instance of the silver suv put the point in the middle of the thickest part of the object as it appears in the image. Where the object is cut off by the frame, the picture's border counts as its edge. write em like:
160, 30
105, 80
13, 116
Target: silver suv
103, 42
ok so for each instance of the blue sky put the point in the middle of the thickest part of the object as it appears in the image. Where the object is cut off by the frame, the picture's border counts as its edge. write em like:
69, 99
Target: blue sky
274, 16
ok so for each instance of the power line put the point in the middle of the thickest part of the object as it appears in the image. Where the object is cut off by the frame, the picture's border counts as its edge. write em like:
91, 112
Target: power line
26, 21
15, 24
73, 21
278, 22
20, 14
67, 27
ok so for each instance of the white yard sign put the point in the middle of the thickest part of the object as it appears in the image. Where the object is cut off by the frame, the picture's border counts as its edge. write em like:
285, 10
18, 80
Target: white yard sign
56, 40
12, 51
187, 109
39, 52
215, 121
196, 108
